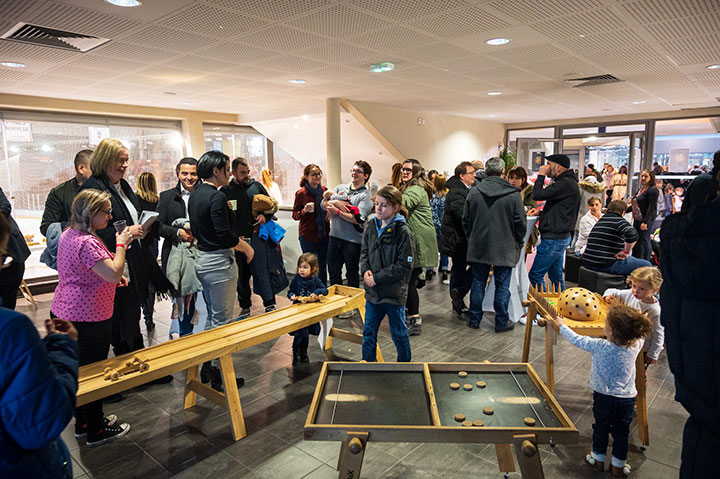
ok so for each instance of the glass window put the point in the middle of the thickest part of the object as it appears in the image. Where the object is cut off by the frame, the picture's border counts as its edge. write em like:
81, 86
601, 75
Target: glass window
37, 152
513, 135
237, 141
288, 172
688, 144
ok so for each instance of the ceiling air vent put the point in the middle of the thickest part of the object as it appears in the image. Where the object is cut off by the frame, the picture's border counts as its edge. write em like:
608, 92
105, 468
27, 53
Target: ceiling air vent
50, 37
594, 80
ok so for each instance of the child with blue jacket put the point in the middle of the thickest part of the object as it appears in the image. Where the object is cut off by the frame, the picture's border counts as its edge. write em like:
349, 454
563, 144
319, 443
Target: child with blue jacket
612, 379
306, 284
386, 258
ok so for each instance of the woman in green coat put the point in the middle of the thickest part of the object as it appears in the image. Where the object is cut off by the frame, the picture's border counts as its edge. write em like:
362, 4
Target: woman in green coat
417, 191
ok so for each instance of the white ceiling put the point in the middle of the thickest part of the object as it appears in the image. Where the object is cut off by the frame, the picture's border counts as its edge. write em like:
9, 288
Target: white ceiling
236, 56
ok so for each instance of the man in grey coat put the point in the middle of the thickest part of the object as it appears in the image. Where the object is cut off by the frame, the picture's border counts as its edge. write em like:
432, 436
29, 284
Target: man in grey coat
495, 224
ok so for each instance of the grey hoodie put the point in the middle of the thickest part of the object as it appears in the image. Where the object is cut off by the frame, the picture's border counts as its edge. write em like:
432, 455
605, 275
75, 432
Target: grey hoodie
495, 223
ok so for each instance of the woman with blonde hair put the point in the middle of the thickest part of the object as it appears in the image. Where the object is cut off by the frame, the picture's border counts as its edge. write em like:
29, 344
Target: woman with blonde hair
88, 275
437, 205
109, 163
266, 177
147, 193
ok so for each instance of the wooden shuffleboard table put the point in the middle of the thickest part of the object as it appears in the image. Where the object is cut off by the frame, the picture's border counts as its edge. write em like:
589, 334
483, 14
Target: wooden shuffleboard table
502, 403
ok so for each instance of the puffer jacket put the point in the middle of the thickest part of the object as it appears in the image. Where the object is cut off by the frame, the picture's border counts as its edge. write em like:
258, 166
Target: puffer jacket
421, 224
388, 253
589, 188
38, 385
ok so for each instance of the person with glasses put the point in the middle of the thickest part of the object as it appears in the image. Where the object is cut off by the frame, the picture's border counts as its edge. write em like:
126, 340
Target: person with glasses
89, 277
453, 241
348, 206
314, 227
38, 384
12, 268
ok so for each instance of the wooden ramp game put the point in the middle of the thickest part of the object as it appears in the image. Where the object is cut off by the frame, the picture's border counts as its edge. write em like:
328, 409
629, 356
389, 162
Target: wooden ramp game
544, 304
502, 403
121, 373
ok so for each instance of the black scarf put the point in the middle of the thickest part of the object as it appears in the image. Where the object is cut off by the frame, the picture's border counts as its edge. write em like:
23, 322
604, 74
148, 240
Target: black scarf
319, 218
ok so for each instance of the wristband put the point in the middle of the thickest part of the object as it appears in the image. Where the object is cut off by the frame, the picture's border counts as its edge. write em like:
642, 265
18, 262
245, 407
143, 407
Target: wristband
121, 245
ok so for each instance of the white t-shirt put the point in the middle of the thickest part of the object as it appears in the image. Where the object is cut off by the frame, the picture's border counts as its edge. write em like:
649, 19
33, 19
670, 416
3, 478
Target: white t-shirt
656, 340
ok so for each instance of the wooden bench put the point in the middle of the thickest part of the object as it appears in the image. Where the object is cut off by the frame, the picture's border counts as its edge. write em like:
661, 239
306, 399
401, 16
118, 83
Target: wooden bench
121, 373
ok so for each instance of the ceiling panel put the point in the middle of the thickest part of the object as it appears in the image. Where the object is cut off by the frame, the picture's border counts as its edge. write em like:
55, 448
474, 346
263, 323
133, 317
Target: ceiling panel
281, 38
168, 39
339, 52
657, 11
534, 10
128, 51
272, 10
458, 23
215, 22
80, 20
338, 21
237, 53
392, 39
434, 52
530, 54
405, 10
586, 23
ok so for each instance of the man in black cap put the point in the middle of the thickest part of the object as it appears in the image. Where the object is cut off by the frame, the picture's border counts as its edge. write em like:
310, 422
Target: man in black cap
557, 220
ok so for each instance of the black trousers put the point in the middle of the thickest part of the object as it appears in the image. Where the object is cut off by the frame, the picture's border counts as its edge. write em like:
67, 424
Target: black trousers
344, 253
643, 248
413, 300
93, 345
125, 321
10, 279
244, 291
461, 273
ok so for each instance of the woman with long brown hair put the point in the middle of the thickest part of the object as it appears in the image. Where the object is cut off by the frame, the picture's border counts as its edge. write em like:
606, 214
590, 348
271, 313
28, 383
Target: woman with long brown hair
314, 228
643, 206
437, 205
619, 184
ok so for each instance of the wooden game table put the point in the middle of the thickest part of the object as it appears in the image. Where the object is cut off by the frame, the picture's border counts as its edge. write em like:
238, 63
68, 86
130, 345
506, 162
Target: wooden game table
414, 402
121, 373
542, 303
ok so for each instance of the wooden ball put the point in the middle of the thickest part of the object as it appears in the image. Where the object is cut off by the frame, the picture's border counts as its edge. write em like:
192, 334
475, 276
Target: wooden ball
462, 374
529, 421
454, 386
481, 384
355, 445
488, 410
459, 417
468, 387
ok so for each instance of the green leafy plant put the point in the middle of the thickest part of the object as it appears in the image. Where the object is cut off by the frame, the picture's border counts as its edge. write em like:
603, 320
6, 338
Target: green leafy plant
509, 157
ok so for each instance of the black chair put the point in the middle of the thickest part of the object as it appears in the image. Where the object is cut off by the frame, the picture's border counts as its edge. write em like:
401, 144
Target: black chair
572, 266
599, 282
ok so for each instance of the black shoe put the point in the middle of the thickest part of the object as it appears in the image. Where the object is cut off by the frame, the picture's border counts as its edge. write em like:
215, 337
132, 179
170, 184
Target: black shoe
217, 383
429, 275
304, 356
108, 434
163, 380
81, 429
269, 308
113, 398
473, 326
414, 328
458, 304
510, 326
149, 324
444, 276
206, 373
296, 355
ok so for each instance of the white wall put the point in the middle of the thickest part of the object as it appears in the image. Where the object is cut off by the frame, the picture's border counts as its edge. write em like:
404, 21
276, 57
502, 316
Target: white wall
441, 142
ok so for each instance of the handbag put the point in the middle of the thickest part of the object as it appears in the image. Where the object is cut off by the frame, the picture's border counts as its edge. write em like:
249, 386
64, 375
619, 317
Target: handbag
636, 213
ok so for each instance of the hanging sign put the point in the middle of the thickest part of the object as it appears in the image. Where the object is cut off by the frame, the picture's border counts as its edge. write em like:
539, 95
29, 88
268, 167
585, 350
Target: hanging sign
97, 133
18, 131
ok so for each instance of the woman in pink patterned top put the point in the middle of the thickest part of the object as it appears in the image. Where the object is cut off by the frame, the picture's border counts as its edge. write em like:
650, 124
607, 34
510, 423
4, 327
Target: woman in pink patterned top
87, 277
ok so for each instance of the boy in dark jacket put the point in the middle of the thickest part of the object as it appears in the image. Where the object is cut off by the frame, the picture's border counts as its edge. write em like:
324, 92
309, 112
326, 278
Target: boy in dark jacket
557, 220
307, 285
386, 258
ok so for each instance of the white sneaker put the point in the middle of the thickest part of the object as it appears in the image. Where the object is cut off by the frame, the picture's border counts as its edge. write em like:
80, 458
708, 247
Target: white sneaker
346, 314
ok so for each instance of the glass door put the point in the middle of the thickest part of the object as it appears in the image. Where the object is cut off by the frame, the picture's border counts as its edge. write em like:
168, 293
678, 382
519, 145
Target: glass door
532, 151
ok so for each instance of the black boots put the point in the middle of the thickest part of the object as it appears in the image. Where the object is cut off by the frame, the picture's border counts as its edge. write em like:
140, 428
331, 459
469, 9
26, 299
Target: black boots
300, 348
211, 374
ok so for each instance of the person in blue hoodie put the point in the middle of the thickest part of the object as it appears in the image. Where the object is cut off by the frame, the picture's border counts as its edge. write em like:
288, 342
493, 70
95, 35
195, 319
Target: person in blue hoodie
38, 385
386, 258
308, 285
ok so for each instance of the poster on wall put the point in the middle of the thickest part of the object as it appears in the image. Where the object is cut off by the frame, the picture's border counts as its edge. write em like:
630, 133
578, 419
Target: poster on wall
679, 160
18, 131
536, 159
96, 134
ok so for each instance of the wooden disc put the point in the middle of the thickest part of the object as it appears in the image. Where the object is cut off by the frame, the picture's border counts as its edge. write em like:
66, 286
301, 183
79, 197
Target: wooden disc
529, 421
468, 387
486, 362
467, 423
462, 374
477, 423
459, 417
481, 384
454, 386
488, 410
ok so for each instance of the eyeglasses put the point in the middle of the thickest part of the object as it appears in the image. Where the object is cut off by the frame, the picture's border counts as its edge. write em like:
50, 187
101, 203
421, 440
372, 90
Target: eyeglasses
356, 171
107, 212
320, 174
407, 170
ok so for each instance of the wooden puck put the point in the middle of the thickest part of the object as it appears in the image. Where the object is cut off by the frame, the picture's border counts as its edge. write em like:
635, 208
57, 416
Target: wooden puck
462, 374
529, 421
454, 386
488, 410
459, 417
468, 387
477, 423
467, 423
486, 362
481, 384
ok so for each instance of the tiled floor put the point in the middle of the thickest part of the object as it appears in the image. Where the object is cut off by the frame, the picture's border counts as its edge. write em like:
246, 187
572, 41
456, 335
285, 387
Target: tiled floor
167, 441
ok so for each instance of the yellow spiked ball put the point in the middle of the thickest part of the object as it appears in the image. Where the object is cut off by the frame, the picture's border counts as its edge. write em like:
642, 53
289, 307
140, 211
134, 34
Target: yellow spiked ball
581, 304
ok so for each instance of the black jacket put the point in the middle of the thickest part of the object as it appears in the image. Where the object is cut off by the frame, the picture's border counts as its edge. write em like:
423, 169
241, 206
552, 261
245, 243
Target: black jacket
57, 205
452, 237
689, 298
701, 189
210, 219
390, 258
562, 202
170, 207
495, 223
243, 194
17, 248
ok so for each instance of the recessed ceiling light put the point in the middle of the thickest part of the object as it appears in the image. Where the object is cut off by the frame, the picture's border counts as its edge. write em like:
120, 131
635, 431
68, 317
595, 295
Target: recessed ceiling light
305, 117
125, 3
169, 93
297, 81
382, 67
713, 67
493, 93
498, 41
639, 102
13, 64
581, 35
492, 116
187, 103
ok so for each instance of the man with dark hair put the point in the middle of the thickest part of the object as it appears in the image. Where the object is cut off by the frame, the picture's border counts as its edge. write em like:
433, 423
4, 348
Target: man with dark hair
610, 243
703, 188
60, 198
495, 224
557, 220
657, 168
173, 205
348, 205
240, 193
453, 241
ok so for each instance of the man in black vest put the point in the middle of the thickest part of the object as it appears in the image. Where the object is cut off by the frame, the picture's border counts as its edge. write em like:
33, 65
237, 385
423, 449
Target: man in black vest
60, 198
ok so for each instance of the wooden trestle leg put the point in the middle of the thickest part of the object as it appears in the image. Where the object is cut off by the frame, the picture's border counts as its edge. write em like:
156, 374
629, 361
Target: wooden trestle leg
190, 395
505, 457
528, 456
641, 401
529, 321
352, 453
232, 396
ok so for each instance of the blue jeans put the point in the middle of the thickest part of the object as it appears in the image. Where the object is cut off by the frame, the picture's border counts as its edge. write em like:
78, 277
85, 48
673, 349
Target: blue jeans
549, 259
319, 249
374, 314
217, 272
502, 275
624, 266
612, 415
